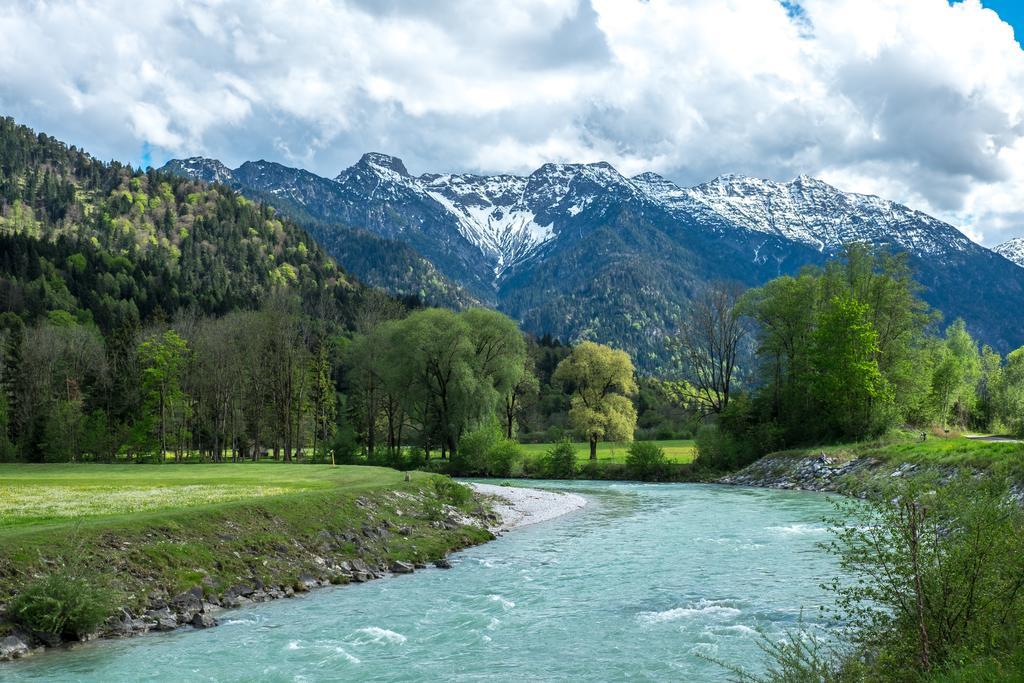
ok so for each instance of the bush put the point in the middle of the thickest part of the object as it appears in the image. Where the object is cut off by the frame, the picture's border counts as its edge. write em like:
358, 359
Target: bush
737, 439
67, 606
452, 492
717, 450
645, 460
560, 461
416, 459
345, 445
930, 586
486, 452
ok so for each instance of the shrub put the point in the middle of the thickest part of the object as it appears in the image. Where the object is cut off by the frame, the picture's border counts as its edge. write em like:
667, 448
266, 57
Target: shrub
645, 460
452, 492
719, 450
345, 445
486, 452
416, 458
62, 605
560, 461
930, 587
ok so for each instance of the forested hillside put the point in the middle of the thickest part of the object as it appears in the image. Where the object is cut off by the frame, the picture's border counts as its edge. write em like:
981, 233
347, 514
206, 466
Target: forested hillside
143, 311
106, 243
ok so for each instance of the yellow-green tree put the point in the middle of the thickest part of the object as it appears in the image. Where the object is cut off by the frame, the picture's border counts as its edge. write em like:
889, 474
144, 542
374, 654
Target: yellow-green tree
601, 381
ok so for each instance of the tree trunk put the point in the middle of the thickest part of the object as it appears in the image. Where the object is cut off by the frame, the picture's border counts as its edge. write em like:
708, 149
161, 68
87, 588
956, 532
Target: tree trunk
593, 448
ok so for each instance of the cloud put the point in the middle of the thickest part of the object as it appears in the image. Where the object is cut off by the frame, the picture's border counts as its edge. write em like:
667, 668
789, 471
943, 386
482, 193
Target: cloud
921, 101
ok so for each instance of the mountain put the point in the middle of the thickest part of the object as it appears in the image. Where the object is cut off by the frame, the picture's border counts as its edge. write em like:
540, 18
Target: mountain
111, 245
1013, 250
378, 256
581, 251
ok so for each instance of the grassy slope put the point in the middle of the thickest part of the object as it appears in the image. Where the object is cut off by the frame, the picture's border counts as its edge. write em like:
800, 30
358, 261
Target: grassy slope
220, 543
955, 450
677, 451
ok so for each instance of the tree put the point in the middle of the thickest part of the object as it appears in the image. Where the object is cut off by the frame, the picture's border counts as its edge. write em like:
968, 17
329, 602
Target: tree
848, 381
520, 396
601, 381
163, 359
323, 396
709, 340
500, 359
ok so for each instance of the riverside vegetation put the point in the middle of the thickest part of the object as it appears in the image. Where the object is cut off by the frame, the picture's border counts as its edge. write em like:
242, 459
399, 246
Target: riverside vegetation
148, 319
184, 541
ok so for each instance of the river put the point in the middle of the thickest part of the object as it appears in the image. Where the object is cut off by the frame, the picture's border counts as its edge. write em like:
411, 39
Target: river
643, 583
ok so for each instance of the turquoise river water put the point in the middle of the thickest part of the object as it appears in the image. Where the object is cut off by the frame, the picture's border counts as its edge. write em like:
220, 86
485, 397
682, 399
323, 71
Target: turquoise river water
638, 585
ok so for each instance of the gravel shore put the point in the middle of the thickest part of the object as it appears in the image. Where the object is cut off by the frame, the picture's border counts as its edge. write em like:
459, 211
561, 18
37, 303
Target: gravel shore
519, 507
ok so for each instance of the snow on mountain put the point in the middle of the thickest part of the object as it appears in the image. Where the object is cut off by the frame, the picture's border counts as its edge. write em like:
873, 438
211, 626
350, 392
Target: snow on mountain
807, 210
509, 219
1013, 250
201, 168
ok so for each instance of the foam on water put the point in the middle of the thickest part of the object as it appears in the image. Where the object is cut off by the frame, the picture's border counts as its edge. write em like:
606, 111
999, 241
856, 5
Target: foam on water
375, 634
703, 609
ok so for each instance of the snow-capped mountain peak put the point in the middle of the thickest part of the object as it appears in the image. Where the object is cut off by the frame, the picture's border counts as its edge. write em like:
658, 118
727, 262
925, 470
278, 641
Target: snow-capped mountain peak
1013, 250
806, 210
201, 168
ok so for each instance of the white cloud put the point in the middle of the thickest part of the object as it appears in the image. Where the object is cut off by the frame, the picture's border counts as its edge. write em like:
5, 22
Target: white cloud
917, 100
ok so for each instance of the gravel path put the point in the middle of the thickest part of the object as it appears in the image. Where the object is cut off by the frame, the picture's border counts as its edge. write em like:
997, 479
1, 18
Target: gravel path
519, 507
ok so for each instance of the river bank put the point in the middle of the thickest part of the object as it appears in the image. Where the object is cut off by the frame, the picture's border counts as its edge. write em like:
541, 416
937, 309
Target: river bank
358, 538
518, 507
857, 476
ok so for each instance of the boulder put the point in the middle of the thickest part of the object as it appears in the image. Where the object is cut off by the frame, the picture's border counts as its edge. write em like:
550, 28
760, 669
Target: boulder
443, 563
399, 567
12, 647
306, 582
203, 621
189, 602
167, 623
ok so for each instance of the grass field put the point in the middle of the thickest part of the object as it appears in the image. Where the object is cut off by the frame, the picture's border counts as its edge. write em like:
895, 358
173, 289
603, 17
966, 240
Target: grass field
677, 450
38, 494
173, 527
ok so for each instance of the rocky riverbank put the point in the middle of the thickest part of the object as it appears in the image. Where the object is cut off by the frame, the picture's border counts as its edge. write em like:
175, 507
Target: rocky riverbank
859, 476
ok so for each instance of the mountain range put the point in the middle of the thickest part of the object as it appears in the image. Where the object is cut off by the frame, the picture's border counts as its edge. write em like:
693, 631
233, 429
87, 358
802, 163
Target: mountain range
581, 251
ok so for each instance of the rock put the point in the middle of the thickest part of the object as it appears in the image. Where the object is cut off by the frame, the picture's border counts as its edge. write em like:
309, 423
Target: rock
443, 563
167, 623
399, 567
12, 647
306, 582
404, 531
236, 601
203, 621
157, 600
188, 602
360, 567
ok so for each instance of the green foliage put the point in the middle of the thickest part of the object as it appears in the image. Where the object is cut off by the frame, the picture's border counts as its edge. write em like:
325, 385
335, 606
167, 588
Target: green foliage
845, 344
737, 438
560, 460
451, 491
853, 393
345, 445
932, 574
486, 452
63, 605
601, 381
646, 460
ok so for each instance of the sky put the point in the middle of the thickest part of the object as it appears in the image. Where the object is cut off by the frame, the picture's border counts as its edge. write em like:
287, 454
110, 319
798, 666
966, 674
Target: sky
919, 101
